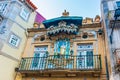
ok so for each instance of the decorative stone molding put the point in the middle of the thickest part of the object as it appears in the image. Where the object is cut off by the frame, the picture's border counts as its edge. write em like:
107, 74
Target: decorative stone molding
62, 28
39, 36
87, 34
97, 18
65, 13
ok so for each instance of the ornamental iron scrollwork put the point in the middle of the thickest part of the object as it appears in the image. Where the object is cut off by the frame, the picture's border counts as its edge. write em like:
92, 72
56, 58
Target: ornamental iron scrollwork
60, 61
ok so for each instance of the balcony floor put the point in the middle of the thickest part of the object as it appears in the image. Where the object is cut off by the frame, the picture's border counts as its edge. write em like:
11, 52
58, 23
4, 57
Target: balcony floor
60, 73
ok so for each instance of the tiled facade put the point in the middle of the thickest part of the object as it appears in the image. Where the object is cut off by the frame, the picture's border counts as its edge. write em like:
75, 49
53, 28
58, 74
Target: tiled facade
15, 17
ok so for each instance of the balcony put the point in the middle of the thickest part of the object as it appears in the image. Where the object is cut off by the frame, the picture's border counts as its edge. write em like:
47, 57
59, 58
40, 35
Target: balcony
111, 16
117, 59
114, 13
61, 64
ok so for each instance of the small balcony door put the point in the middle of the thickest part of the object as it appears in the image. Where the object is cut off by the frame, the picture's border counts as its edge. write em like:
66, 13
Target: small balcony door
85, 56
38, 61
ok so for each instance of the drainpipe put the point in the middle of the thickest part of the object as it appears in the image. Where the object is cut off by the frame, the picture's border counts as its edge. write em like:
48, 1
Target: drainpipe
111, 35
107, 71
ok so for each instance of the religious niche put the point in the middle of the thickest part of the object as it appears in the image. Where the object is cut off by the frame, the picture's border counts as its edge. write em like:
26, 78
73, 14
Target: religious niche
62, 46
62, 54
62, 27
62, 37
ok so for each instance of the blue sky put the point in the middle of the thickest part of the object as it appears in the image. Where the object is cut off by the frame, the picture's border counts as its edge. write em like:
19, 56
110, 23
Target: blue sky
54, 8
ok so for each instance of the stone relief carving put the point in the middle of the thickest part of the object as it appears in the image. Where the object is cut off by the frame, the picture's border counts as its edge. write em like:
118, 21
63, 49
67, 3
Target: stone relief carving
62, 28
39, 36
87, 34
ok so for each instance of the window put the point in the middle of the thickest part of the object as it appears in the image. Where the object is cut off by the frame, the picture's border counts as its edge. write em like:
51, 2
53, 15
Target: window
14, 40
118, 4
85, 36
42, 38
85, 56
85, 46
2, 29
24, 14
39, 57
105, 7
2, 7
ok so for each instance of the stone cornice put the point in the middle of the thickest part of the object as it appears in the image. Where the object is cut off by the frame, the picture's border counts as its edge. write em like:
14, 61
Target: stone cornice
94, 25
36, 29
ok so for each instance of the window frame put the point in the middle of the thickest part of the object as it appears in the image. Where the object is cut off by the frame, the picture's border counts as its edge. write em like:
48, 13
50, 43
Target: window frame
24, 15
84, 49
118, 4
3, 6
38, 58
16, 43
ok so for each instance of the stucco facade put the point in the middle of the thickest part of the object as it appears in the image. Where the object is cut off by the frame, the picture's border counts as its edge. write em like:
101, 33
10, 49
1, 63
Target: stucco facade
13, 35
52, 54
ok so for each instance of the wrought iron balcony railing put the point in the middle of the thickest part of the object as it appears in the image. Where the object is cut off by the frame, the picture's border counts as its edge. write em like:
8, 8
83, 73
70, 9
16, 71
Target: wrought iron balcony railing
61, 62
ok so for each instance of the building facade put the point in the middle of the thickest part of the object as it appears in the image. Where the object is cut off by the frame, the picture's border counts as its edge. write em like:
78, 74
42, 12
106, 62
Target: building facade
110, 15
67, 48
15, 17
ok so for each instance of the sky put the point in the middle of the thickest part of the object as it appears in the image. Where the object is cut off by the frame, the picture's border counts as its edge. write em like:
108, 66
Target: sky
54, 8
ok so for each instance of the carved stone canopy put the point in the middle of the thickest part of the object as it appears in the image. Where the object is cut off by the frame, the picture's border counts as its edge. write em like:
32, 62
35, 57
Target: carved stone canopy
62, 28
65, 25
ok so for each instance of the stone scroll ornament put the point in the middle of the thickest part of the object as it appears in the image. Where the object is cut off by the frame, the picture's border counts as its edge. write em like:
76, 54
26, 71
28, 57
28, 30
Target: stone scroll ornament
62, 28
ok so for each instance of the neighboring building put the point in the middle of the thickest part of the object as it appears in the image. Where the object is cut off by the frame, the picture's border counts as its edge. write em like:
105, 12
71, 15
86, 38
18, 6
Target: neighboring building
110, 10
38, 20
64, 48
15, 17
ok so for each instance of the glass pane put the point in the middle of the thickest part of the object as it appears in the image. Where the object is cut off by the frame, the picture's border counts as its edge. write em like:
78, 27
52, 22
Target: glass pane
85, 56
118, 4
38, 61
89, 58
